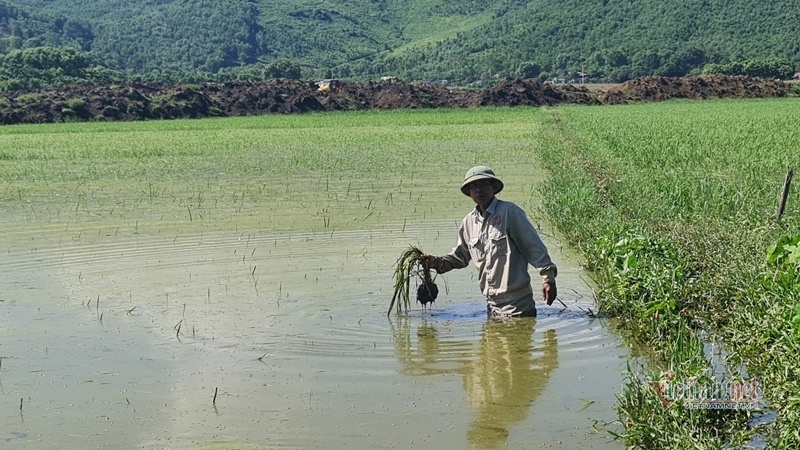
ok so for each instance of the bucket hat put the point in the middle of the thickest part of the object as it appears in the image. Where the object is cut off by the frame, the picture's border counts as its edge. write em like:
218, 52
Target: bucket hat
480, 173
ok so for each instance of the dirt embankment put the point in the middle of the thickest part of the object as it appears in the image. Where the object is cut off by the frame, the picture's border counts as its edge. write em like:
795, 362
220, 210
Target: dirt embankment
655, 89
136, 101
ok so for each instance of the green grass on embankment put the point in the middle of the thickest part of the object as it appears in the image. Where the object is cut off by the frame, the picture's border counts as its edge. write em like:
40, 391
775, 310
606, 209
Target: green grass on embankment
674, 207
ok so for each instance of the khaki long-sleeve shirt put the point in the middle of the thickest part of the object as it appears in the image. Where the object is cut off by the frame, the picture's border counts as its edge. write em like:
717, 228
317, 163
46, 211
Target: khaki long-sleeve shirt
501, 243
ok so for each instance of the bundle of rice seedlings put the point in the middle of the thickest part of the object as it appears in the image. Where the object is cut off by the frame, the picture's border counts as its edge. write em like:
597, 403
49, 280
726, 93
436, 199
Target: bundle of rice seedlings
409, 266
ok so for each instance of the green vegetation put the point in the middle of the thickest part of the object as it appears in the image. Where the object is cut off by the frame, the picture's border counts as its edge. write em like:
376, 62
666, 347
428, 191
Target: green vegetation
40, 67
20, 29
674, 207
765, 68
672, 204
611, 41
368, 169
200, 35
466, 42
409, 266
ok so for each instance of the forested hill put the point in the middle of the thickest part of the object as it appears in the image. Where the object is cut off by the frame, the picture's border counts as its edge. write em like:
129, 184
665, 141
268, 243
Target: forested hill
463, 41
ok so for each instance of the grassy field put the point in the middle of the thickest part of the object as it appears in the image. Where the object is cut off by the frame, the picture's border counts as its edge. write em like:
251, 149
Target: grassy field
673, 206
225, 174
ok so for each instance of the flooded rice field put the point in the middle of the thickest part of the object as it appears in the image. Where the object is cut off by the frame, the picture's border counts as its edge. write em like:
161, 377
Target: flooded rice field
225, 284
262, 340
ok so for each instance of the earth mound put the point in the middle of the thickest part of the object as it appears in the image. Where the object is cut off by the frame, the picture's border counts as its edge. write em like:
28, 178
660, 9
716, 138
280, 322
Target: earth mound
656, 89
140, 101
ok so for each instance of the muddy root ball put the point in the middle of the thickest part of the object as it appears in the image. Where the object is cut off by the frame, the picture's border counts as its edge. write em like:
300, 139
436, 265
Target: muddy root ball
427, 293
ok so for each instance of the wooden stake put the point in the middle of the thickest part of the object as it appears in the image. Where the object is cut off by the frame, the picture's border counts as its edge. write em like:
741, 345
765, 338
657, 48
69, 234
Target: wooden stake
213, 402
784, 194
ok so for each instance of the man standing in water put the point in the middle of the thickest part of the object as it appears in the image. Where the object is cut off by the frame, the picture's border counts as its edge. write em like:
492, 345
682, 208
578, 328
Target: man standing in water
500, 240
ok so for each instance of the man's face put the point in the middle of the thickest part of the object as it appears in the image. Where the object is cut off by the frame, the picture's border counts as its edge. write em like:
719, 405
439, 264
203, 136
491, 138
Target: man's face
482, 192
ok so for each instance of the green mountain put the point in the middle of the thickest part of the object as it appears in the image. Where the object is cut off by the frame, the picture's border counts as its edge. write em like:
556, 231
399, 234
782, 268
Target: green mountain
462, 41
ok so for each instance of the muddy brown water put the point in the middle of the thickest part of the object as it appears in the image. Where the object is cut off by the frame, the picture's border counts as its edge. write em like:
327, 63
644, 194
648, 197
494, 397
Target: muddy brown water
255, 339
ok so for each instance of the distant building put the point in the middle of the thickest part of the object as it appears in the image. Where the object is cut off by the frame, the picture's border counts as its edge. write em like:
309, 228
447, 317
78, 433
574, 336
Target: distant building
439, 83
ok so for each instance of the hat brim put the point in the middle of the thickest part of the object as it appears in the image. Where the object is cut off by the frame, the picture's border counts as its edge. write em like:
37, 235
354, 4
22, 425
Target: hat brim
465, 185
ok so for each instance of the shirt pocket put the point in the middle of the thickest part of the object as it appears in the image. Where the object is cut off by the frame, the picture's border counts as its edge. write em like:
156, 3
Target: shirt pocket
498, 247
477, 249
497, 250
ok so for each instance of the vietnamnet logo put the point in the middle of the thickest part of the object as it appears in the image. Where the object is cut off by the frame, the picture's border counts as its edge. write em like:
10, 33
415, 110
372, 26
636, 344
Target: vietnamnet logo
703, 392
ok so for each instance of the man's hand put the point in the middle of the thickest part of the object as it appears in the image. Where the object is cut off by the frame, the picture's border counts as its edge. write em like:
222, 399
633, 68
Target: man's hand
429, 261
549, 291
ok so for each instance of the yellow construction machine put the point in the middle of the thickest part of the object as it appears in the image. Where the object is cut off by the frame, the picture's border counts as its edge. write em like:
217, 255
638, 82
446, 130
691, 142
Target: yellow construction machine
329, 85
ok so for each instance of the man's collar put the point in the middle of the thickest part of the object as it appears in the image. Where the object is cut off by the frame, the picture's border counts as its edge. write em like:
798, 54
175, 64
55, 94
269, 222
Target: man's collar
493, 205
490, 209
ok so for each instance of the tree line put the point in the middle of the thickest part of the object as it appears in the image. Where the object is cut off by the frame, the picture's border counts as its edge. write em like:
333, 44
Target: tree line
47, 43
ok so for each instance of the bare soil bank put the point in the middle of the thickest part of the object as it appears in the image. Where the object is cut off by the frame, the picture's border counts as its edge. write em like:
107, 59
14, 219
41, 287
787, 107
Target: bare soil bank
137, 101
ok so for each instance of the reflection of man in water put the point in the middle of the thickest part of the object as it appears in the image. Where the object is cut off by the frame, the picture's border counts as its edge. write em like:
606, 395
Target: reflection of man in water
505, 378
501, 380
500, 241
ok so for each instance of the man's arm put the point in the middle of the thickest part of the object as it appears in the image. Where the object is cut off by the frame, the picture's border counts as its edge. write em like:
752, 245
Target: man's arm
458, 258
